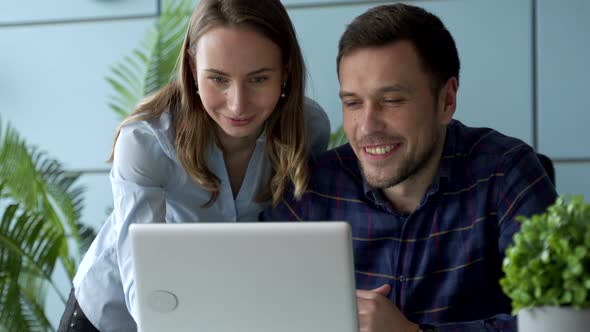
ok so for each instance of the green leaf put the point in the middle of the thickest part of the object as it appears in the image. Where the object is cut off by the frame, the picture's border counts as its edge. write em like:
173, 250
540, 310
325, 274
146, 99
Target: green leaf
548, 263
545, 256
151, 65
567, 297
40, 205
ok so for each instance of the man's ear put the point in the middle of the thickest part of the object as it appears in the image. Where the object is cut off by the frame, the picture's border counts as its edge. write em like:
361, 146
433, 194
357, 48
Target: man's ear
447, 100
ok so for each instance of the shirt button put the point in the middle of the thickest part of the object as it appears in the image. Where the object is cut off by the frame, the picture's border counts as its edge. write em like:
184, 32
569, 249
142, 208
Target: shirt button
401, 278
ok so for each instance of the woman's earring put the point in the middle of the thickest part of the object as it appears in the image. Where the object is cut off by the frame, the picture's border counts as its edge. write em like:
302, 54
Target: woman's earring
283, 94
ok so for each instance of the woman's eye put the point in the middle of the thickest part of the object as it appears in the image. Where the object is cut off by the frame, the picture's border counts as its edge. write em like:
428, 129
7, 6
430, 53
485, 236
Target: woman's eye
259, 79
218, 79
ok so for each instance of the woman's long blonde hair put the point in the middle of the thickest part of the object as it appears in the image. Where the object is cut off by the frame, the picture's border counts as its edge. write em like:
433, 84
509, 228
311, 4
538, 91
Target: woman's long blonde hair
285, 127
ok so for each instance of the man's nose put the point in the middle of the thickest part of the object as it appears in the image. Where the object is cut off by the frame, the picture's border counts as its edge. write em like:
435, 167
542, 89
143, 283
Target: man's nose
371, 119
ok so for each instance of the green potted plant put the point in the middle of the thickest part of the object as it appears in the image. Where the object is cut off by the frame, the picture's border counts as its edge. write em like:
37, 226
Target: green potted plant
40, 228
547, 269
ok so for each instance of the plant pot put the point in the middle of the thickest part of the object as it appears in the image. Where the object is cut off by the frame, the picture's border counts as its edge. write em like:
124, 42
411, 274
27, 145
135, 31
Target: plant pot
551, 319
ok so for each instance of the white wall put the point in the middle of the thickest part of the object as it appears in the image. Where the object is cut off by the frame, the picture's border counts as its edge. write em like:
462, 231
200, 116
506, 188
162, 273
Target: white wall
55, 55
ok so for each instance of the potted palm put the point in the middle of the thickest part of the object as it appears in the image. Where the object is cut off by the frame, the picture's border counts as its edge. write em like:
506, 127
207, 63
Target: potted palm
547, 269
40, 205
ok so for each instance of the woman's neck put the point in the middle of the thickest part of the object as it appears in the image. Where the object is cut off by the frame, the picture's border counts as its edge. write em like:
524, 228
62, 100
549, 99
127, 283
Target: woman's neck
230, 145
236, 154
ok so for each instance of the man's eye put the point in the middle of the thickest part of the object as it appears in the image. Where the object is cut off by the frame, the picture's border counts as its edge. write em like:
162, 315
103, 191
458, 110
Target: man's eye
393, 101
350, 104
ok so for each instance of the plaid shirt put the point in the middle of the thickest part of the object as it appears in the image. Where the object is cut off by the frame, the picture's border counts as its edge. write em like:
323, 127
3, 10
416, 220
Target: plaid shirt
443, 261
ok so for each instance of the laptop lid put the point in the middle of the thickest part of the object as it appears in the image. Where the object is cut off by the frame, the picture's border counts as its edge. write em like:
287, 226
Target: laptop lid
262, 277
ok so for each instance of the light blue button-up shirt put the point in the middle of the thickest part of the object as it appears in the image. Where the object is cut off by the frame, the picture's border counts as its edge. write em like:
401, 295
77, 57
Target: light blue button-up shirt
150, 185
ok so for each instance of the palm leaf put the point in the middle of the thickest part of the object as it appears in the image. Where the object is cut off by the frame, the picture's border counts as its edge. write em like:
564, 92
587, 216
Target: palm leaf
24, 183
27, 312
33, 310
40, 206
152, 64
28, 243
170, 30
26, 269
68, 200
11, 318
17, 170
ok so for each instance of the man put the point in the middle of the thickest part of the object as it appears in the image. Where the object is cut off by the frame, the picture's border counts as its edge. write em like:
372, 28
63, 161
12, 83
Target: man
432, 203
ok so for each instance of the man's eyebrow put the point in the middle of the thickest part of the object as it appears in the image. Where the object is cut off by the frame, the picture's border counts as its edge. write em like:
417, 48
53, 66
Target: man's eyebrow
254, 72
385, 89
344, 94
395, 88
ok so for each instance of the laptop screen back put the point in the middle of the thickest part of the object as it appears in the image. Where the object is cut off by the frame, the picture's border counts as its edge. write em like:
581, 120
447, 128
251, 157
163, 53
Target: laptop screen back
262, 277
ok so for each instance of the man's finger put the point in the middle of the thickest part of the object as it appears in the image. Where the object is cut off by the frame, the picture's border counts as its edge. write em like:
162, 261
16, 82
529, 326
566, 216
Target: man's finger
365, 294
383, 290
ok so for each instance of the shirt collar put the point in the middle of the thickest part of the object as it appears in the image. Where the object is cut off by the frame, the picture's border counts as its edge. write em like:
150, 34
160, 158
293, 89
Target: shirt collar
262, 137
443, 175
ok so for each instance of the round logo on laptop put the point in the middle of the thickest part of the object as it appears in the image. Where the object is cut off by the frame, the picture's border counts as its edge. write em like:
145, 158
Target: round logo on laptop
162, 301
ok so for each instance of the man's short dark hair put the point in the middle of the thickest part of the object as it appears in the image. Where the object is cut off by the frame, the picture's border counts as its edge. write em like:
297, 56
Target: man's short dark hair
387, 24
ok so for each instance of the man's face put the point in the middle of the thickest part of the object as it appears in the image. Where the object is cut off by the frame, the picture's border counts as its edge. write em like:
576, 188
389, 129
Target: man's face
392, 119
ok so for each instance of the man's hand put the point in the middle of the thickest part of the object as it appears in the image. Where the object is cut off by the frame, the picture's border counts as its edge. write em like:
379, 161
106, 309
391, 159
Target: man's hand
378, 314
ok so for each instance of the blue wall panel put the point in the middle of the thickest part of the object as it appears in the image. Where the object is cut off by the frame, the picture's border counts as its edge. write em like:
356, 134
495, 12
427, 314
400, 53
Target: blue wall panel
27, 11
52, 86
564, 69
496, 76
573, 179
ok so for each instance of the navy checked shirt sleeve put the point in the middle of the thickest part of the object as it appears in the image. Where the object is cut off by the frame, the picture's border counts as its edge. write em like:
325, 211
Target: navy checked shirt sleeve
525, 190
288, 209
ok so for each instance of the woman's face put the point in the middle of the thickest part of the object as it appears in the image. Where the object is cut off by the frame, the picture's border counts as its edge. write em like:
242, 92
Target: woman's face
239, 75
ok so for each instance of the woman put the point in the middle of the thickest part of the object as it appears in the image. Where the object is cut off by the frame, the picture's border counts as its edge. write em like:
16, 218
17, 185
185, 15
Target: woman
224, 140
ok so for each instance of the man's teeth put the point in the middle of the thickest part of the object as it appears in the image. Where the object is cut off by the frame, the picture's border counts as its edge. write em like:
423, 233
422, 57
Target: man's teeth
380, 149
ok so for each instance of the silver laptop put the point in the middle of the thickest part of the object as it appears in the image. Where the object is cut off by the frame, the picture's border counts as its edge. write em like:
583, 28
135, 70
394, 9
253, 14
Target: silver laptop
258, 277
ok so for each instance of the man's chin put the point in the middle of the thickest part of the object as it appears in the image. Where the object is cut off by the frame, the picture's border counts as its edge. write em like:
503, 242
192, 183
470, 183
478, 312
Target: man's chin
380, 181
